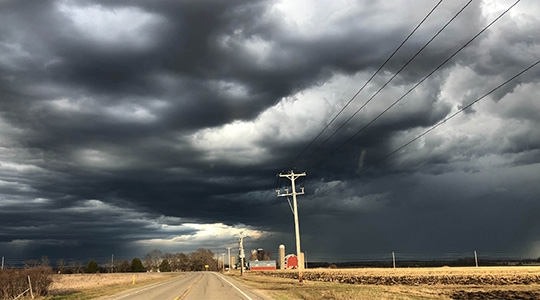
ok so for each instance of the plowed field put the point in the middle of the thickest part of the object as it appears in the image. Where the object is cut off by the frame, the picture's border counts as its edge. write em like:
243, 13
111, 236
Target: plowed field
419, 276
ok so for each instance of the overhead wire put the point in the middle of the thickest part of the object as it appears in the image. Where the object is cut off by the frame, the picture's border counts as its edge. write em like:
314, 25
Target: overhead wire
434, 126
434, 70
366, 83
369, 80
426, 77
392, 78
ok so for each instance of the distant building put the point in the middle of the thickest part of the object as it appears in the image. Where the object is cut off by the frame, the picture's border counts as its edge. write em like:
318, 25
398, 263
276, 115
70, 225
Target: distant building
257, 265
233, 262
291, 261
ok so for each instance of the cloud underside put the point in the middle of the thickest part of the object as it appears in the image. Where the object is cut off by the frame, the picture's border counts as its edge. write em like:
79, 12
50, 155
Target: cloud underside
163, 125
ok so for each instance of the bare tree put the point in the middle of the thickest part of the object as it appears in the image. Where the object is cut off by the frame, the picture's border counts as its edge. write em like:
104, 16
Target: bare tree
76, 267
60, 265
202, 257
45, 261
31, 263
152, 260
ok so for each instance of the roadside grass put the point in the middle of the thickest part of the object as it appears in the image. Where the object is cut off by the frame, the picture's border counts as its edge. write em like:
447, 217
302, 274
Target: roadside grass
101, 290
291, 289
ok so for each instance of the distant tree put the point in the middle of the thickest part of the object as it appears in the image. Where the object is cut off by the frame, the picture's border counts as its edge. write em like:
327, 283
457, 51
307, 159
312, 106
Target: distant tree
180, 262
183, 262
164, 266
137, 266
31, 263
124, 267
76, 267
61, 266
202, 257
152, 260
45, 261
92, 267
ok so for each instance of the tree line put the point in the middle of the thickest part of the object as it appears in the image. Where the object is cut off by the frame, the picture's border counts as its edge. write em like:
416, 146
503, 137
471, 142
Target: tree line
154, 261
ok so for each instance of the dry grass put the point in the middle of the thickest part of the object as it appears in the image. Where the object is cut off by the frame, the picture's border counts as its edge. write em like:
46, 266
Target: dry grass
89, 286
420, 283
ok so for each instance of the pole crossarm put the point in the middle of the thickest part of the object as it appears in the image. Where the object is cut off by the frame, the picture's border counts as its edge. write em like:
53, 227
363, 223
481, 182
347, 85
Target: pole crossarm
292, 177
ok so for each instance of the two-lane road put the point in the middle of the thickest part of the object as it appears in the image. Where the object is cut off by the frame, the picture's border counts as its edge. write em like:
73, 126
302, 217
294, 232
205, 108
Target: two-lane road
195, 285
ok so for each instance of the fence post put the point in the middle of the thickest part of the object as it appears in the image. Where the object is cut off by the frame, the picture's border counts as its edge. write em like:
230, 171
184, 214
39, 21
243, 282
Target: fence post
30, 283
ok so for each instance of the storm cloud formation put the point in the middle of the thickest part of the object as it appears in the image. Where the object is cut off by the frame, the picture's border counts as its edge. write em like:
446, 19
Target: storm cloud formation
131, 126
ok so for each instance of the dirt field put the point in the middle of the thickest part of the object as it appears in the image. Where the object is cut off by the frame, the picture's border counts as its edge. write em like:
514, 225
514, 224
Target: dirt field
410, 283
415, 276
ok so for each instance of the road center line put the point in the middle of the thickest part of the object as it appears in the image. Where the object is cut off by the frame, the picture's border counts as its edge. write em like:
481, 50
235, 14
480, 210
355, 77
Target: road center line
233, 286
189, 288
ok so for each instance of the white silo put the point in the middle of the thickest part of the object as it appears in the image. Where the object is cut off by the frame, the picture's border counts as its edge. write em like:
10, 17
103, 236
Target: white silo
281, 257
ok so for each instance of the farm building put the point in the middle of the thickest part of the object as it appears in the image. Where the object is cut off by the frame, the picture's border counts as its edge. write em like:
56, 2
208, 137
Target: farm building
291, 261
262, 265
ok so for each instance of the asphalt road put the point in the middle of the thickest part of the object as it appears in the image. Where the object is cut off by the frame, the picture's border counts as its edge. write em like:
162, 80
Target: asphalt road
194, 285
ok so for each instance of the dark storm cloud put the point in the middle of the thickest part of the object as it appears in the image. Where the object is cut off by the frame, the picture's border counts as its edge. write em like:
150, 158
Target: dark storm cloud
119, 121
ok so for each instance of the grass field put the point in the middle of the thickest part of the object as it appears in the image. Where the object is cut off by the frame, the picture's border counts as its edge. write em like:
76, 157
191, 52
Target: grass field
410, 283
90, 286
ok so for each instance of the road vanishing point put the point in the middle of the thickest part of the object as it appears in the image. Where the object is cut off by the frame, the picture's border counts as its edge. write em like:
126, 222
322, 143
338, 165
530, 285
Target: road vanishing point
193, 285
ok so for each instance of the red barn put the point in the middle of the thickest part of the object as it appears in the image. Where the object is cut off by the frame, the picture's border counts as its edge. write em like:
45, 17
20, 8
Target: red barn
291, 261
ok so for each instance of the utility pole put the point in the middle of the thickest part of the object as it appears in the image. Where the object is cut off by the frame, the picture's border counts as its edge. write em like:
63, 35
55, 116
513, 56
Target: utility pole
241, 242
217, 255
112, 263
475, 258
223, 262
292, 177
2, 263
229, 251
394, 259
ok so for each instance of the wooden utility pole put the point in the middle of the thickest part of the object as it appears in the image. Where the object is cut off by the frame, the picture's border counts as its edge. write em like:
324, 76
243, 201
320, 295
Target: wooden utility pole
292, 177
475, 258
229, 251
241, 242
2, 263
394, 259
112, 263
223, 262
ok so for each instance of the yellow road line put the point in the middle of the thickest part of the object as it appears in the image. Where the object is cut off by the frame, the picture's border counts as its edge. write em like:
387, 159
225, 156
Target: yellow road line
189, 289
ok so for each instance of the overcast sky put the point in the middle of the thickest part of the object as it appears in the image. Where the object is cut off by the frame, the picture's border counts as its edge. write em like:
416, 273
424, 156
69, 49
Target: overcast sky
129, 126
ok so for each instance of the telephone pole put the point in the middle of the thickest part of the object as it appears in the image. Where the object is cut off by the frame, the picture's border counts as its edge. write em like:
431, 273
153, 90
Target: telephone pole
292, 177
241, 243
229, 251
223, 262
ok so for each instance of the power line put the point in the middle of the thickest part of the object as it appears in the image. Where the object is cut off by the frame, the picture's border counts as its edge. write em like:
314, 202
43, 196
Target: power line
369, 80
455, 114
435, 126
427, 76
393, 76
